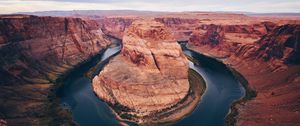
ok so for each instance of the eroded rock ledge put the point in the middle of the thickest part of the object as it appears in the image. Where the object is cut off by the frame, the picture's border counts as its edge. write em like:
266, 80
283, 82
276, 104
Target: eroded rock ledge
150, 74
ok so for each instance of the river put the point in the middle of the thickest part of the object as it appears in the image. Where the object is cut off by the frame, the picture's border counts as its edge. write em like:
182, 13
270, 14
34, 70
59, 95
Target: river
88, 110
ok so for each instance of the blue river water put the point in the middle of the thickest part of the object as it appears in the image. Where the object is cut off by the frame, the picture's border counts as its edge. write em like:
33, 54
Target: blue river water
88, 110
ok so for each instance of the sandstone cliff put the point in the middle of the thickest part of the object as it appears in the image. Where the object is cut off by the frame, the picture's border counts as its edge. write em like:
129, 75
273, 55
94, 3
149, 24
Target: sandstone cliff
258, 48
183, 24
281, 44
34, 51
226, 38
269, 59
149, 76
115, 26
181, 27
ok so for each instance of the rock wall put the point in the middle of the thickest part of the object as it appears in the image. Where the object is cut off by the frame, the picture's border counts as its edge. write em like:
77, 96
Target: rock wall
270, 63
150, 74
115, 26
258, 48
282, 44
224, 39
34, 51
44, 47
181, 27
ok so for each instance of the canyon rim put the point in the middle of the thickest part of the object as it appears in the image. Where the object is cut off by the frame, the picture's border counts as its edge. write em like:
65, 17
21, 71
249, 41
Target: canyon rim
127, 67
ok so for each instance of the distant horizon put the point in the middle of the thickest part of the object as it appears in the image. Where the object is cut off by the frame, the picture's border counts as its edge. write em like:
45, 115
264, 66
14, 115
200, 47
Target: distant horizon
163, 11
154, 11
248, 6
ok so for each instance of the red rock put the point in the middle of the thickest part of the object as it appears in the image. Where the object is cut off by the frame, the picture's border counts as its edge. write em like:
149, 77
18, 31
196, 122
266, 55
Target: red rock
38, 47
271, 66
150, 74
115, 26
245, 41
34, 52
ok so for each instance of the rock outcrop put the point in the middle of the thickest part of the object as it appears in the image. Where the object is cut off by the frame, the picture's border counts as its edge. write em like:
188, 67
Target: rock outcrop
149, 76
34, 51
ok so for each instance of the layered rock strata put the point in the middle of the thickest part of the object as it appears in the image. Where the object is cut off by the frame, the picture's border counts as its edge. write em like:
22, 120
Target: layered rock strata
149, 76
181, 27
34, 51
258, 48
226, 38
115, 26
270, 63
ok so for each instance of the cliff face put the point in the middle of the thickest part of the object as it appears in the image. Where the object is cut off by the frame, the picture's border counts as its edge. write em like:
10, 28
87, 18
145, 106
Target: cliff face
115, 26
223, 40
43, 47
34, 51
181, 27
258, 48
213, 34
270, 63
281, 44
150, 74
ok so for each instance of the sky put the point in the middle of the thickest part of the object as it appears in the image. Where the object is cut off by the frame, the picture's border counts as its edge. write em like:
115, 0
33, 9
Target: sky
262, 6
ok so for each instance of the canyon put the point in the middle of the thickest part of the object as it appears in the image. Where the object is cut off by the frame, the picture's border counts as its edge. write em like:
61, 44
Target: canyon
271, 53
257, 48
36, 51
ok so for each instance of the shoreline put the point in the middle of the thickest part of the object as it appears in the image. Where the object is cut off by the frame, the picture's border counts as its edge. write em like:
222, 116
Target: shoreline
54, 103
180, 110
53, 98
250, 93
189, 100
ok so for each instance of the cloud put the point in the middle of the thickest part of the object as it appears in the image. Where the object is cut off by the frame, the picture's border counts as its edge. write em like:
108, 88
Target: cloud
12, 6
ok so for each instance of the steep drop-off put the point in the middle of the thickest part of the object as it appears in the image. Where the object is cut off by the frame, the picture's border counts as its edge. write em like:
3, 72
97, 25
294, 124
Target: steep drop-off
270, 63
115, 26
181, 27
264, 50
34, 52
224, 39
149, 77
